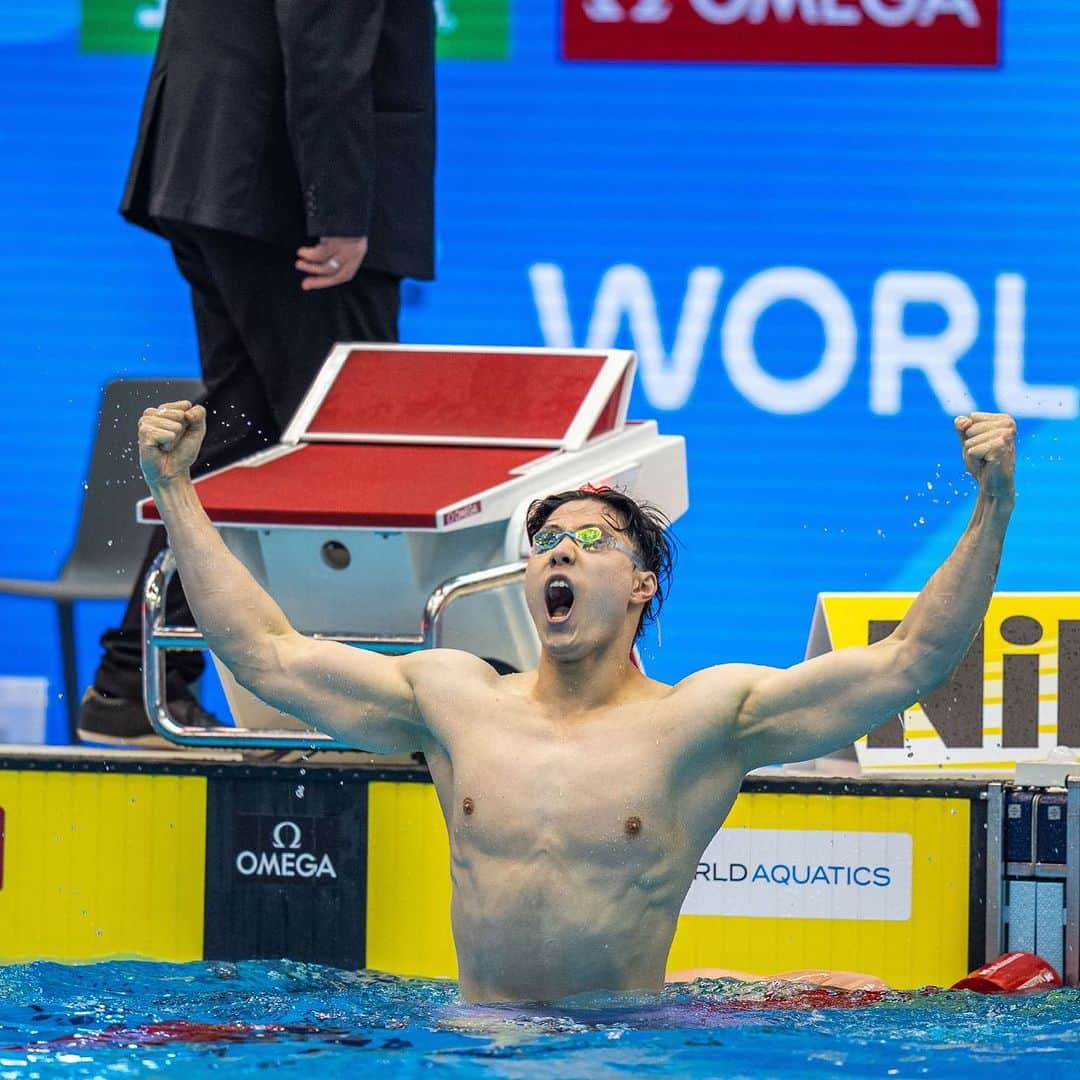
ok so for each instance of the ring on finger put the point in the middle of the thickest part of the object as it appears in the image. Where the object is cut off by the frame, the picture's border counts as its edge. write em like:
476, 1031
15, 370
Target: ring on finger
333, 263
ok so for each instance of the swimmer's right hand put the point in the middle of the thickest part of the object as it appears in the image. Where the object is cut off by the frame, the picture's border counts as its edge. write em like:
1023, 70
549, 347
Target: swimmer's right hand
169, 441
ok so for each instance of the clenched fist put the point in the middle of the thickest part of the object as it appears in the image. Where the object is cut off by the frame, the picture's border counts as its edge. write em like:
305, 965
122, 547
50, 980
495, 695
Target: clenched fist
989, 444
169, 441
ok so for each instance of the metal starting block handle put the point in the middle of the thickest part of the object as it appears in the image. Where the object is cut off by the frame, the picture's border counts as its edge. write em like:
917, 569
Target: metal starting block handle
158, 638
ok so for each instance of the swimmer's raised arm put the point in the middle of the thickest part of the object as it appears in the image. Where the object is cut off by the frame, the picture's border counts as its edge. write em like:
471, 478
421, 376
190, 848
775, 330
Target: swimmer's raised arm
827, 702
351, 693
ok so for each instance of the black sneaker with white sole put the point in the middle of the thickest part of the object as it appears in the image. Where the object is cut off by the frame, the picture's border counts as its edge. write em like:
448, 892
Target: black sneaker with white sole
118, 721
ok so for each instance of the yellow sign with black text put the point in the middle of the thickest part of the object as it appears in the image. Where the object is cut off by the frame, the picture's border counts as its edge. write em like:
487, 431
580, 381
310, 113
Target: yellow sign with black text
1015, 695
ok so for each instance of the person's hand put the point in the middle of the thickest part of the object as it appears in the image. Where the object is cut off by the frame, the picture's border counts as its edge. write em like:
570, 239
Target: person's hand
989, 444
169, 441
332, 261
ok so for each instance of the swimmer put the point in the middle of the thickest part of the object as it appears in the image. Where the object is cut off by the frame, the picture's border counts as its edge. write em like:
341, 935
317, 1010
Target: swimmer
578, 797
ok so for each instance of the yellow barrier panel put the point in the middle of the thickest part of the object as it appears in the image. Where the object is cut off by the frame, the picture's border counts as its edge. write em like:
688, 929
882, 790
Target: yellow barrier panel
102, 865
408, 884
930, 947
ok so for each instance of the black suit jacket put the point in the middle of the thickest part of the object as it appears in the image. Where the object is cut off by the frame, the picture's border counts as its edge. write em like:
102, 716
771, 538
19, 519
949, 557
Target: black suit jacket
288, 120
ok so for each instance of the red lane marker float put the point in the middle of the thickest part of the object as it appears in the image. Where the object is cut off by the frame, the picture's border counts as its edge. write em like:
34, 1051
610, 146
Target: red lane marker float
181, 1031
1012, 972
813, 997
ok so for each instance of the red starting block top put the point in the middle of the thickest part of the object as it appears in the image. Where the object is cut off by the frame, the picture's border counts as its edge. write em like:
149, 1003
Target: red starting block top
363, 485
411, 437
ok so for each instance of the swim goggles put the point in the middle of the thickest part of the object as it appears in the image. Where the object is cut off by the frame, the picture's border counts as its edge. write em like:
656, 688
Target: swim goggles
590, 538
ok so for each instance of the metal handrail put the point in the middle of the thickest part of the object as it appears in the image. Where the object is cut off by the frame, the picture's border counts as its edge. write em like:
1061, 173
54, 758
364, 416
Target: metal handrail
1072, 882
158, 637
995, 870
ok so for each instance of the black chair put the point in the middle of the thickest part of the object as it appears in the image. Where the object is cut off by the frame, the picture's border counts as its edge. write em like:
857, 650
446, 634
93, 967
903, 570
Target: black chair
109, 545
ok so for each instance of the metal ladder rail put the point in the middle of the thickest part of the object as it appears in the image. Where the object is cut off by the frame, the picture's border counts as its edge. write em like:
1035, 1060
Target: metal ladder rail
159, 638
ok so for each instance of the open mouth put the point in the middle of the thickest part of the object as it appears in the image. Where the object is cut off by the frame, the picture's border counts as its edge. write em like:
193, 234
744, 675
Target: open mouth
559, 598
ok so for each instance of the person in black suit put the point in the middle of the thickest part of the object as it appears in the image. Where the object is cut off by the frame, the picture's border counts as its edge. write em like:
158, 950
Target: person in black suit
286, 152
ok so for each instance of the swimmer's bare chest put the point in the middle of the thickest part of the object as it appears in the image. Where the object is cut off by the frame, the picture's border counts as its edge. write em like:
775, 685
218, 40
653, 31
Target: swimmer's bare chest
563, 796
607, 798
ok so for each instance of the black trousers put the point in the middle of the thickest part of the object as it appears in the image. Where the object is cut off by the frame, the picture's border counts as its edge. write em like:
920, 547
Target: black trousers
262, 340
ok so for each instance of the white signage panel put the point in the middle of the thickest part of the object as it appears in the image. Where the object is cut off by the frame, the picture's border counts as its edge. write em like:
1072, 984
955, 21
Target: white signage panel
804, 874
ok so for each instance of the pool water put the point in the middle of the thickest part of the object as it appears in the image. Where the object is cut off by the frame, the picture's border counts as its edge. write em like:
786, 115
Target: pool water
189, 1020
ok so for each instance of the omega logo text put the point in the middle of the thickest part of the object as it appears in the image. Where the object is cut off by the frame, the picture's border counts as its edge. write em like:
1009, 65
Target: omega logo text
285, 860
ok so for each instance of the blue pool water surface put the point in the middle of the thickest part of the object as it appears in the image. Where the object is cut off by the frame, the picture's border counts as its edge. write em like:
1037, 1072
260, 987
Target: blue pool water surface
240, 1020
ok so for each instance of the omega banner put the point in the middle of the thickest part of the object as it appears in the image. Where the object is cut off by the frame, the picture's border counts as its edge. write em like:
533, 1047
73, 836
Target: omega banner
1015, 695
961, 33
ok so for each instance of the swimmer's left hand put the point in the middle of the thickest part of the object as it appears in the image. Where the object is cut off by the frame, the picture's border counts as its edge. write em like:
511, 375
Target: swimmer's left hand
988, 441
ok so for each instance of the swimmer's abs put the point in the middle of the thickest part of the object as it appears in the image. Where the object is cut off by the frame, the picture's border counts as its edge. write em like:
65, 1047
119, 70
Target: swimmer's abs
557, 947
531, 970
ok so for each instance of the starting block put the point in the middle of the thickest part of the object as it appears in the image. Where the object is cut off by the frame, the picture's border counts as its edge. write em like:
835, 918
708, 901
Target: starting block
400, 487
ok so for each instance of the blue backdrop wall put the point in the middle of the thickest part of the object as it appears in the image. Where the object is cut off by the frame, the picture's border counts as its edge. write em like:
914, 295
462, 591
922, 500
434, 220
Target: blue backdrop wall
817, 265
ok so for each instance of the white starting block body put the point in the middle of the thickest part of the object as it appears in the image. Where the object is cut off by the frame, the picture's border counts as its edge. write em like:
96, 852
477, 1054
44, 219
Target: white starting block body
406, 466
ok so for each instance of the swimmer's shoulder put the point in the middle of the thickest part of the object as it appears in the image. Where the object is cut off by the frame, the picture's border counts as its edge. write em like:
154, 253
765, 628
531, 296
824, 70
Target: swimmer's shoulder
721, 688
463, 668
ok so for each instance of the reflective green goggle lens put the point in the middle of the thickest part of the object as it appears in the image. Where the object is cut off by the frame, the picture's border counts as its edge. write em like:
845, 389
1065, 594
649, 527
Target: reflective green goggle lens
589, 539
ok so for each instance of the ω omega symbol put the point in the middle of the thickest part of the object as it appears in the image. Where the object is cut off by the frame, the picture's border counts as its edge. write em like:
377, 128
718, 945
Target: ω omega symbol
287, 834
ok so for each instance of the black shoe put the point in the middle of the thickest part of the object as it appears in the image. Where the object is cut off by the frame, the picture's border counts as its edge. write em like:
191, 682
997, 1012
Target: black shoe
123, 722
